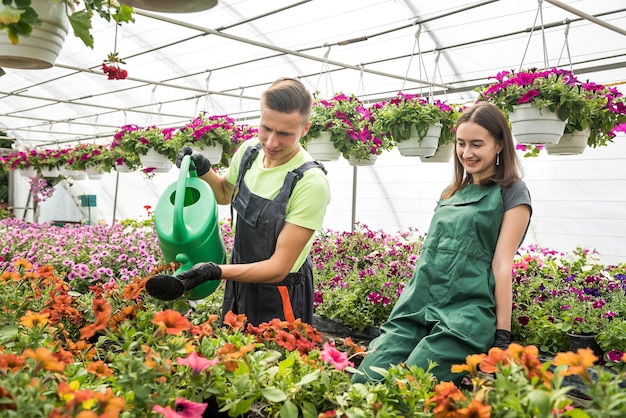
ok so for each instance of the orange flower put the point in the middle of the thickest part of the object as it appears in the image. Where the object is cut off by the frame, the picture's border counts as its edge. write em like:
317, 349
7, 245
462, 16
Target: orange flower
447, 395
31, 319
286, 340
101, 307
11, 362
471, 364
99, 368
236, 322
45, 359
46, 271
10, 275
133, 289
22, 262
171, 322
496, 357
89, 331
577, 363
475, 409
127, 312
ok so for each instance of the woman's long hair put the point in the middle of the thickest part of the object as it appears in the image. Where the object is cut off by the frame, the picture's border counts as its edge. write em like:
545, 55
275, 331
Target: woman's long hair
509, 170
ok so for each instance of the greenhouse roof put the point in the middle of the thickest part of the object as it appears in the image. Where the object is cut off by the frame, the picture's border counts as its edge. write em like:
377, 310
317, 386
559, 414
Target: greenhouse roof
221, 59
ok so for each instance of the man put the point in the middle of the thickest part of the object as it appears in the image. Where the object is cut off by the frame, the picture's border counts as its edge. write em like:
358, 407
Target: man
280, 196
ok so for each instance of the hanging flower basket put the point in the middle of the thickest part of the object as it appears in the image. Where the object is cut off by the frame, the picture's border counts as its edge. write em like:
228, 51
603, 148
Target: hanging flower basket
532, 125
416, 147
169, 6
322, 148
74, 174
350, 125
94, 174
41, 48
49, 172
28, 172
570, 143
212, 152
155, 162
365, 162
442, 155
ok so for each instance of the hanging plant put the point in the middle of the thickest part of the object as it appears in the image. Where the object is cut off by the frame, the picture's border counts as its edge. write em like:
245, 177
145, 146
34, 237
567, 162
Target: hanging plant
350, 124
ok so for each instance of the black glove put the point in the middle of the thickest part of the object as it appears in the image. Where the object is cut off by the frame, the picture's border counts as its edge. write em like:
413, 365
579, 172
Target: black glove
503, 339
199, 274
202, 163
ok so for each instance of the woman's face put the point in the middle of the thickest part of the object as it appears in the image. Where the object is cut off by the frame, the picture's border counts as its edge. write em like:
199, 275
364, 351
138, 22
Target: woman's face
476, 149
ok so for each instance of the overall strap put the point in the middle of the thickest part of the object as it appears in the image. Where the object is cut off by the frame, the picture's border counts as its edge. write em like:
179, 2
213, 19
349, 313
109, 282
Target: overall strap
248, 158
294, 176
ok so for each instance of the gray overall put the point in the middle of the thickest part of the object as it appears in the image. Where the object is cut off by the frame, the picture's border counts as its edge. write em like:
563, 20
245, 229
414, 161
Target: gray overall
259, 222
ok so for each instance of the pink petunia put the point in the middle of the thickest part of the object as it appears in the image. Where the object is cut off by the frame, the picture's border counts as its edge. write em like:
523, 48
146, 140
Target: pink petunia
338, 359
182, 409
196, 362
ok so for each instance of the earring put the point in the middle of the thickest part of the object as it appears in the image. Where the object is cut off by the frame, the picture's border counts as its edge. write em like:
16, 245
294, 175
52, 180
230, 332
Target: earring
498, 158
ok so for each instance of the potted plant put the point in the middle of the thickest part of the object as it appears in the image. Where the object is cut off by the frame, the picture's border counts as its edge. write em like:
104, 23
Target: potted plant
154, 147
595, 124
415, 125
350, 126
537, 103
212, 135
20, 18
556, 295
18, 161
94, 159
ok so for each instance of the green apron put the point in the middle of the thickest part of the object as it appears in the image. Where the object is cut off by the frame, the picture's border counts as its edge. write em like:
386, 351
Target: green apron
447, 310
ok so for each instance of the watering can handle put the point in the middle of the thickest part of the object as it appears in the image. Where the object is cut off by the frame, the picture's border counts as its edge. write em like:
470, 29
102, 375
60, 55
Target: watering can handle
179, 228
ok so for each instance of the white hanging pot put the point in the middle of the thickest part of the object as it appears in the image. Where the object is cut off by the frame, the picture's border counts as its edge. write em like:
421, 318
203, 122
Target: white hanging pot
322, 149
157, 162
49, 172
355, 162
94, 174
172, 6
212, 152
41, 48
535, 126
123, 168
28, 172
414, 147
570, 144
442, 155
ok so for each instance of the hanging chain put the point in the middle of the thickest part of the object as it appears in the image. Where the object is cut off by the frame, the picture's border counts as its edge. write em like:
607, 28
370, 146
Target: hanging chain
543, 35
325, 71
208, 100
566, 46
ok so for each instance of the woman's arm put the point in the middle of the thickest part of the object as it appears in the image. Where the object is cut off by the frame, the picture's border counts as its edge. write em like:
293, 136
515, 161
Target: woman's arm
514, 225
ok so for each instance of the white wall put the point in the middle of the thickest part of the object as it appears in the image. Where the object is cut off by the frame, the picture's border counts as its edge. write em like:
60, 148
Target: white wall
577, 200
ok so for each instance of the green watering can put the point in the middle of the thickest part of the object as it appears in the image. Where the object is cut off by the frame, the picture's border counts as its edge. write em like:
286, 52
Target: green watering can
187, 228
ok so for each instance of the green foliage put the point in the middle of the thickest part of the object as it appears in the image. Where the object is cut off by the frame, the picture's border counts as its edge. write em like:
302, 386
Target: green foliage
397, 116
18, 17
359, 275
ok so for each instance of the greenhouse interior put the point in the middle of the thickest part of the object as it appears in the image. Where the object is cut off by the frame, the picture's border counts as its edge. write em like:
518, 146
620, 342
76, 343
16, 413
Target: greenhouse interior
113, 67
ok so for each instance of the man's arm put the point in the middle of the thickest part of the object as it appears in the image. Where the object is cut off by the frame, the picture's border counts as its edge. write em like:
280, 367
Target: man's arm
291, 241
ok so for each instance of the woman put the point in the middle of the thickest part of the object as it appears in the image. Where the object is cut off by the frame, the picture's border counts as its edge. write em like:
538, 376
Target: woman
459, 300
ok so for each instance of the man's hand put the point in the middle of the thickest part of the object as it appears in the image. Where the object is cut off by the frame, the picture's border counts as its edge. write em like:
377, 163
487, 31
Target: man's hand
199, 274
202, 163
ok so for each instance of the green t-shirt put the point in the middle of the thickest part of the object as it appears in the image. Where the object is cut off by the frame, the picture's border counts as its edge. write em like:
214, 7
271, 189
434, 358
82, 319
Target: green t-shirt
309, 199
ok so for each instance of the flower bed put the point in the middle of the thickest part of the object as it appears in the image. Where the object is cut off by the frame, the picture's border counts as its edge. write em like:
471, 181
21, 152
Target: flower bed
80, 340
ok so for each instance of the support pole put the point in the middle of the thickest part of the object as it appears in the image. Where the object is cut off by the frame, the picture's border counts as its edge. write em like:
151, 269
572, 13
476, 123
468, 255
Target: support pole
354, 175
586, 16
